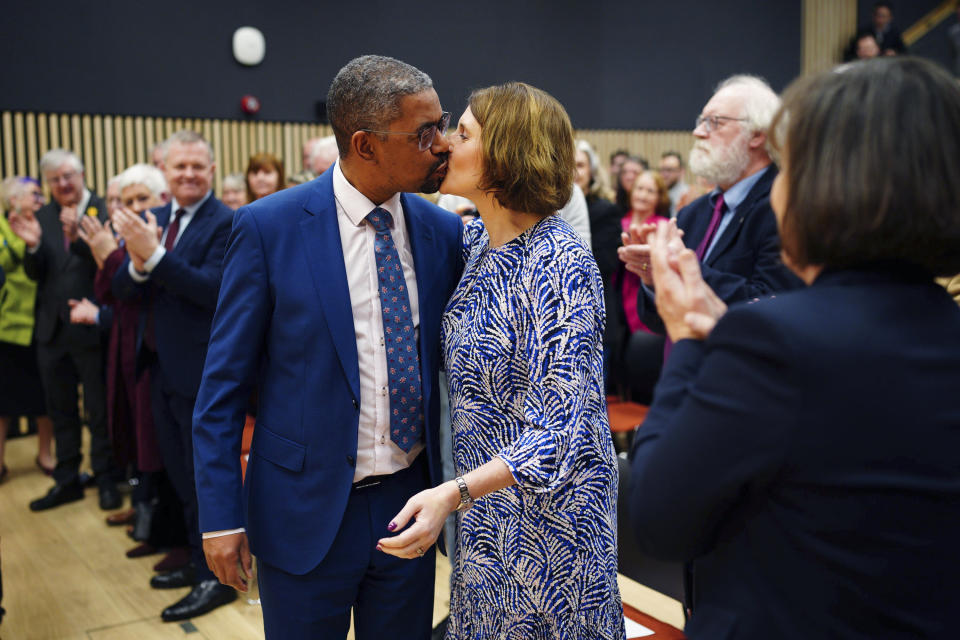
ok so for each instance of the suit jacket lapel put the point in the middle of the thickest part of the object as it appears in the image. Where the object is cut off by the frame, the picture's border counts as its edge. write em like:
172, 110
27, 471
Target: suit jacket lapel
423, 248
196, 229
761, 188
320, 234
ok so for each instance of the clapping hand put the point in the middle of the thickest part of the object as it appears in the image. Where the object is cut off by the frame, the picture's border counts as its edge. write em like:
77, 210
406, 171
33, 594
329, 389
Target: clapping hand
99, 238
68, 220
142, 237
83, 311
687, 305
635, 252
26, 226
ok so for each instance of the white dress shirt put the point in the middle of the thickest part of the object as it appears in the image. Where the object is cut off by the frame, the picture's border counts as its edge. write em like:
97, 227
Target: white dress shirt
376, 452
160, 251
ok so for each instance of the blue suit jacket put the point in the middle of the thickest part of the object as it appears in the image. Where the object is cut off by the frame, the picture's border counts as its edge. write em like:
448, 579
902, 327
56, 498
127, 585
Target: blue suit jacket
804, 458
745, 263
182, 291
284, 322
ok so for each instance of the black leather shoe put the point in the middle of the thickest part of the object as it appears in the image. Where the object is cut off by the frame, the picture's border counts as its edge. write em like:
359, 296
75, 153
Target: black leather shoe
58, 495
183, 577
110, 497
203, 598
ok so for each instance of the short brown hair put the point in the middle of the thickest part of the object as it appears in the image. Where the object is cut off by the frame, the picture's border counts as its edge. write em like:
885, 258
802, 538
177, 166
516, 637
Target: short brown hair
266, 161
872, 161
527, 142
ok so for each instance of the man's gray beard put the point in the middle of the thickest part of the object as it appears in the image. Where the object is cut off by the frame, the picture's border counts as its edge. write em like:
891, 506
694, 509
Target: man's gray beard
723, 165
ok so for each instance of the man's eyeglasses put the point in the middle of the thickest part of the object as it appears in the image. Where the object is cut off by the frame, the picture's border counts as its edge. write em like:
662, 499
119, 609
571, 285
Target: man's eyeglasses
712, 123
65, 178
425, 134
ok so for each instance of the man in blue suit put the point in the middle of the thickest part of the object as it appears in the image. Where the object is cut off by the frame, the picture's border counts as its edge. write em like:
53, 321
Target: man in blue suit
178, 274
732, 228
330, 307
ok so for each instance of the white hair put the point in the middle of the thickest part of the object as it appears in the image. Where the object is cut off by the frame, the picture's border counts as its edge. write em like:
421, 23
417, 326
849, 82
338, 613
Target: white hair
11, 188
56, 158
760, 102
145, 174
234, 182
324, 149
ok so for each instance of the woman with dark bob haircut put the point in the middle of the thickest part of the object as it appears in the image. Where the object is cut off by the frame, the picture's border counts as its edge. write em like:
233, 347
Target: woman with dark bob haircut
536, 553
801, 452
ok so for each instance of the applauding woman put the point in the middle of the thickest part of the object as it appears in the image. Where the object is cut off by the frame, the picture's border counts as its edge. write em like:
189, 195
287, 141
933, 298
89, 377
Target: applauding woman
536, 550
802, 452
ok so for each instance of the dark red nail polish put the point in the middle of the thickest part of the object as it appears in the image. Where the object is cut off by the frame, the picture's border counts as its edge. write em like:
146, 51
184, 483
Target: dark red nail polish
379, 548
391, 526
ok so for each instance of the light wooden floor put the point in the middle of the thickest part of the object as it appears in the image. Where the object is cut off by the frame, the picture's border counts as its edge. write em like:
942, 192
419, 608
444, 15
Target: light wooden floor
65, 575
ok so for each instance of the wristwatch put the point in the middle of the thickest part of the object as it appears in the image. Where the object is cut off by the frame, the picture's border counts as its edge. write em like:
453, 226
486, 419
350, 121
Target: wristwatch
466, 501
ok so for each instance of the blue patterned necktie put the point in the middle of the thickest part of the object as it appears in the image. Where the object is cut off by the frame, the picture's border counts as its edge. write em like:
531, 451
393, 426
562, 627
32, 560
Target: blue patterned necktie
403, 363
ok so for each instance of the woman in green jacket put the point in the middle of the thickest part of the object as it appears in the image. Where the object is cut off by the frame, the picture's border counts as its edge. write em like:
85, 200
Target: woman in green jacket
21, 393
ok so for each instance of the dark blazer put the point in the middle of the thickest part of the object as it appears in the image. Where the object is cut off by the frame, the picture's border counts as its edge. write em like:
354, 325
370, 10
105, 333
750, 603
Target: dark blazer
745, 263
285, 324
61, 275
804, 458
182, 291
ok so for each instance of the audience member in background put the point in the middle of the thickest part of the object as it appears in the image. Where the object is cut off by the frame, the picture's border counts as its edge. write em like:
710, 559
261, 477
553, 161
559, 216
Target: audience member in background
179, 277
234, 191
637, 363
112, 197
672, 173
323, 154
300, 178
699, 187
732, 229
866, 46
129, 415
604, 235
21, 392
802, 451
617, 159
887, 36
629, 170
69, 355
264, 176
521, 340
156, 155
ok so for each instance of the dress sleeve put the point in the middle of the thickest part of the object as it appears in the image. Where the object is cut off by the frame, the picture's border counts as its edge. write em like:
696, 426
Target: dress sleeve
562, 341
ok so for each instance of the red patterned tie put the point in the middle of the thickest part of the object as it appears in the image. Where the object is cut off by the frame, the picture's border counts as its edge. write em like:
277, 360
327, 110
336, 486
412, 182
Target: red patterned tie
403, 362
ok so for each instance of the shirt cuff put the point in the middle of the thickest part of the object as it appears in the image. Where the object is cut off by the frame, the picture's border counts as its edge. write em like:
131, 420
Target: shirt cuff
136, 275
154, 259
225, 532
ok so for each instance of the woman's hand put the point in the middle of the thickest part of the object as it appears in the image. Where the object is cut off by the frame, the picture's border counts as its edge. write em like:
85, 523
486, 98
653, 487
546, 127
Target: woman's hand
83, 311
98, 237
635, 252
687, 305
26, 226
429, 509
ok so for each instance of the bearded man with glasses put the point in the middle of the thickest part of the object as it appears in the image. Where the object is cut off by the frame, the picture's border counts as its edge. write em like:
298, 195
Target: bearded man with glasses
330, 305
732, 228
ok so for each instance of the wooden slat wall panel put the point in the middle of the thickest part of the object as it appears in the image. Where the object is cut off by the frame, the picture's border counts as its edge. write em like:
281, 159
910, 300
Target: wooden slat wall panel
107, 144
827, 28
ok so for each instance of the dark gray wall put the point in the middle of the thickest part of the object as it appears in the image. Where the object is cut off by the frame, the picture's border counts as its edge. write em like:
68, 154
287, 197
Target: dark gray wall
631, 64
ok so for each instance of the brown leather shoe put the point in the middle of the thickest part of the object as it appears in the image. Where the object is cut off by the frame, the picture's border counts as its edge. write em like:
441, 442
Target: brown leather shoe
143, 549
121, 518
178, 558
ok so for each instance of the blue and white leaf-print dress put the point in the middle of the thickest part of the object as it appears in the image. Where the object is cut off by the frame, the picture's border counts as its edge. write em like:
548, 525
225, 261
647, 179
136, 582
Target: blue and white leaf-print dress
522, 350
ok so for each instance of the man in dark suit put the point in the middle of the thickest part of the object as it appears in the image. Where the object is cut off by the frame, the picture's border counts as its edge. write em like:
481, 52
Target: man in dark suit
305, 316
732, 228
178, 272
68, 354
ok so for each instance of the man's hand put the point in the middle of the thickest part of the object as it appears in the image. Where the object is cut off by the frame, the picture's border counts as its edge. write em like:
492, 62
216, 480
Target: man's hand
142, 238
98, 237
229, 559
26, 226
68, 220
83, 311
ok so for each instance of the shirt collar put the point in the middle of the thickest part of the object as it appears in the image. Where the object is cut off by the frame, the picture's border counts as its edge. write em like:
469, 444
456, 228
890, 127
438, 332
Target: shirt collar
84, 202
192, 209
736, 194
357, 206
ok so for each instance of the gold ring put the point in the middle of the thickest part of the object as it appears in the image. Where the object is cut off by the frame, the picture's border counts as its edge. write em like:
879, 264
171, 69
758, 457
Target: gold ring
644, 267
419, 551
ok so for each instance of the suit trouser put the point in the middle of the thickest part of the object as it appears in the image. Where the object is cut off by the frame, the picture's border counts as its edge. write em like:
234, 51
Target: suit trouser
173, 419
62, 367
390, 597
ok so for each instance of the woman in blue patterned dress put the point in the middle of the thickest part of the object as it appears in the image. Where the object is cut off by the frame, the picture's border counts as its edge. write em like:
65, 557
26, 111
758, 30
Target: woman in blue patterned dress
537, 552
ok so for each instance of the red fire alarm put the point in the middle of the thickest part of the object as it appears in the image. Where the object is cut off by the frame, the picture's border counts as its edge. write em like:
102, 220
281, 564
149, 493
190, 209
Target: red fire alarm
250, 105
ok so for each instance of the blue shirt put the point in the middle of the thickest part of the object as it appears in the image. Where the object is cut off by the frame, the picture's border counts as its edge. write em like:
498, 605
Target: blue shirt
733, 198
